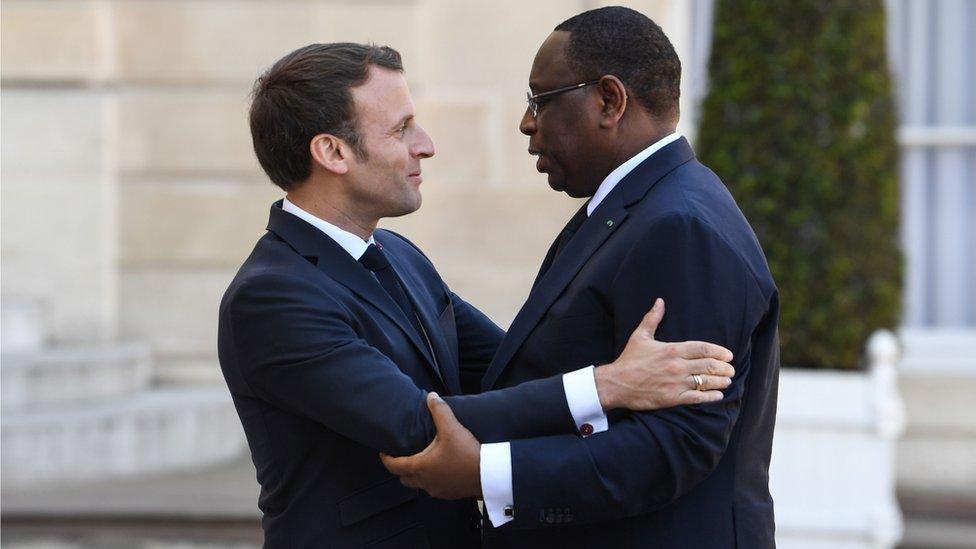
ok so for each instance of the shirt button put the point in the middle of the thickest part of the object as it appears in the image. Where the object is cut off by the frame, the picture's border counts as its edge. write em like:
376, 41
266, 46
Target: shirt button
509, 512
586, 429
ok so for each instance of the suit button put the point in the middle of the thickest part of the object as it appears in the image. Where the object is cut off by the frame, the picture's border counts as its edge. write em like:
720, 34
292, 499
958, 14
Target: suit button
586, 429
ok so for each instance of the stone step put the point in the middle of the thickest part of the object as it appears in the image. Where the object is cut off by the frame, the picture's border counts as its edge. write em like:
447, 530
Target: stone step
38, 378
154, 431
226, 491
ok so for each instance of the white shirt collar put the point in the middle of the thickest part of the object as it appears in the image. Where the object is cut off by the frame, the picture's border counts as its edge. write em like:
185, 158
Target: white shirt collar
622, 170
351, 243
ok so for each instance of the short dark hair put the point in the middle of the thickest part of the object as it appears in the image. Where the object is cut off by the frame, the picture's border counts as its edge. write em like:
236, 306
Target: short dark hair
627, 44
305, 93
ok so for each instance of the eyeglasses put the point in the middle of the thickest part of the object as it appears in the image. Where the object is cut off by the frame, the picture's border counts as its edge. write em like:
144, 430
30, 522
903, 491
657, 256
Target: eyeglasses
534, 99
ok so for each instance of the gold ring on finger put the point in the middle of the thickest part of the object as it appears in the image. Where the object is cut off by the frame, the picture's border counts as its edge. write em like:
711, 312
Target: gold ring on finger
699, 382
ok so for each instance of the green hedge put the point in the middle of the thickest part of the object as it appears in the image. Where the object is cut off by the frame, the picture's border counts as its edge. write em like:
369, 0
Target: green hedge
800, 124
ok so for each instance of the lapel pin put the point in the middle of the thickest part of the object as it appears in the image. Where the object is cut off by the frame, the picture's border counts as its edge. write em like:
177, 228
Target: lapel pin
609, 223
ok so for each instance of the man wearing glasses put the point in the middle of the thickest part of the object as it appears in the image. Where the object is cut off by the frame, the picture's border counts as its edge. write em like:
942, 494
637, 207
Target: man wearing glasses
603, 109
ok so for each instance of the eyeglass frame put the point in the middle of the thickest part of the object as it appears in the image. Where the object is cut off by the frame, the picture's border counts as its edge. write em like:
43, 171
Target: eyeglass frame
534, 99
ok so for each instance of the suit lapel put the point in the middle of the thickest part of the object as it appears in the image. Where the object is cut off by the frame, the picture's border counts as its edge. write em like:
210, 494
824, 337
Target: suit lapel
594, 231
582, 245
427, 314
335, 262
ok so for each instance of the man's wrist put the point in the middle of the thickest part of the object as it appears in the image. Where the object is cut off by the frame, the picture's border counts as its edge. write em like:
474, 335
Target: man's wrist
606, 389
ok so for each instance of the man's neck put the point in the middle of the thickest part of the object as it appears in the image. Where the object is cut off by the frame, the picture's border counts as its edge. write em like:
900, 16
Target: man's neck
630, 147
333, 212
621, 171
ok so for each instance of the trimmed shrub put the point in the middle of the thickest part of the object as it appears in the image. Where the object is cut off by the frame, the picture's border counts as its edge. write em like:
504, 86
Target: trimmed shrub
800, 124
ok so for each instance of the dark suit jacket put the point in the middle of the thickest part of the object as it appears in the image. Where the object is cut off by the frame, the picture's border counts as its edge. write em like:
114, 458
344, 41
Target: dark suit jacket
683, 477
326, 372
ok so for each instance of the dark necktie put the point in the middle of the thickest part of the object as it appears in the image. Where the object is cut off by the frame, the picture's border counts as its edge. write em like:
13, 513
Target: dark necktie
564, 238
561, 241
375, 260
570, 230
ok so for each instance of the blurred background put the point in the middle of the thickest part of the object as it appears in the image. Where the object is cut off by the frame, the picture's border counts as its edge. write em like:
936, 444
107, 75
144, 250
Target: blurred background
130, 195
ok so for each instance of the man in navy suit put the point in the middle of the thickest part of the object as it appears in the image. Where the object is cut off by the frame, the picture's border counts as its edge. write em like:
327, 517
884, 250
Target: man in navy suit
333, 332
603, 110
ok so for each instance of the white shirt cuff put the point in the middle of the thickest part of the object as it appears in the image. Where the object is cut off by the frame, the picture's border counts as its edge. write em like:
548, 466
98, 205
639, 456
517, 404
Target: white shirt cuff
584, 402
496, 482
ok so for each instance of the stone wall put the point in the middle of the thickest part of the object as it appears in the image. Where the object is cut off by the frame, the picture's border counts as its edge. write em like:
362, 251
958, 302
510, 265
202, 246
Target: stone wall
130, 192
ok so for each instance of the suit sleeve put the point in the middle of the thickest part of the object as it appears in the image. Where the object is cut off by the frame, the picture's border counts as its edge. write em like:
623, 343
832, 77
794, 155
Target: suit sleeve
299, 350
648, 459
515, 407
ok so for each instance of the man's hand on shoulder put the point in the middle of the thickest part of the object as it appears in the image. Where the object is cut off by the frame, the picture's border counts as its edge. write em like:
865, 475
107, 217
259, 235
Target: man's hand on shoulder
450, 466
651, 374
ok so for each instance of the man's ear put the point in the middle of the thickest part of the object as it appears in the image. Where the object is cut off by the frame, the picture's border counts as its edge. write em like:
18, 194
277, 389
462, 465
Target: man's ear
330, 152
613, 101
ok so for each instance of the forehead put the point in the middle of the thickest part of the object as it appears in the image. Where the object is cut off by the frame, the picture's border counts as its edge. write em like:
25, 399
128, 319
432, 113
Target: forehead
550, 67
383, 99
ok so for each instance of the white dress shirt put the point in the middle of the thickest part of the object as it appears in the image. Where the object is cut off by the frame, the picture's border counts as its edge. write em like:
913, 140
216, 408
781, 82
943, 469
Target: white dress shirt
580, 386
351, 243
496, 462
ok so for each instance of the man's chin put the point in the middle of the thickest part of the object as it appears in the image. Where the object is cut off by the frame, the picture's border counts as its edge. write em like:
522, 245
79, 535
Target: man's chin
556, 183
405, 207
573, 190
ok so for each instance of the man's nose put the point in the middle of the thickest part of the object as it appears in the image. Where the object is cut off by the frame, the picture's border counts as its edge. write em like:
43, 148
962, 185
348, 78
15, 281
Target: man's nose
424, 148
527, 125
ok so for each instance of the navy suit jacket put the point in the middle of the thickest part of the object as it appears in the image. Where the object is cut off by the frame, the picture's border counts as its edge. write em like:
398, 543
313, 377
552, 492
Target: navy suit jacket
682, 477
326, 372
